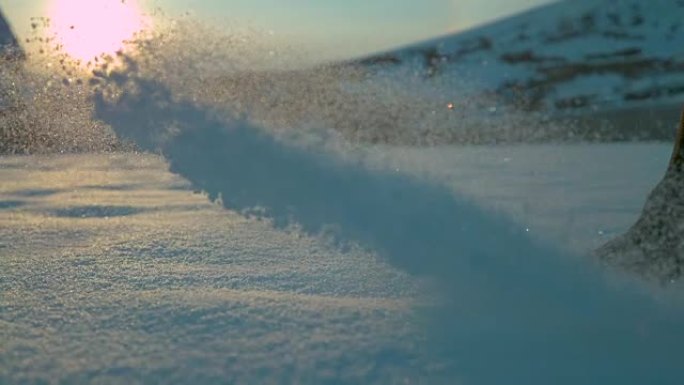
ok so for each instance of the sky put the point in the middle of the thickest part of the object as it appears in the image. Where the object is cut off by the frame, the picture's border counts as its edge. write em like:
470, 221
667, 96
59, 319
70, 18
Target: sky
334, 28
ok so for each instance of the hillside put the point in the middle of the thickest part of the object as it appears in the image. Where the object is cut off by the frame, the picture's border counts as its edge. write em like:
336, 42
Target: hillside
571, 58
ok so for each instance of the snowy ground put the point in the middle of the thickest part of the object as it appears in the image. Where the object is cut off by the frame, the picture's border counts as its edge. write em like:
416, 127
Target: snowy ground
113, 271
576, 196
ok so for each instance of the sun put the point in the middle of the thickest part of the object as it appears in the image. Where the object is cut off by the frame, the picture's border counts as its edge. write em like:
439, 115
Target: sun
87, 29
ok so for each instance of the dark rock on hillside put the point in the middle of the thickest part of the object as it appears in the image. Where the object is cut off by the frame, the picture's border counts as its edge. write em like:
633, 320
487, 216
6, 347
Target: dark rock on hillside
654, 246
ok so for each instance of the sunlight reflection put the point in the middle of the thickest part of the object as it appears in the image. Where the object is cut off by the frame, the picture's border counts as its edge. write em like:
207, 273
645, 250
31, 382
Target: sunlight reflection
90, 28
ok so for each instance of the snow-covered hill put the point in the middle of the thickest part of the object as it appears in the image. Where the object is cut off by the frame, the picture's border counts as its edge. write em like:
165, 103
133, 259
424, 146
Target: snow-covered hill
567, 57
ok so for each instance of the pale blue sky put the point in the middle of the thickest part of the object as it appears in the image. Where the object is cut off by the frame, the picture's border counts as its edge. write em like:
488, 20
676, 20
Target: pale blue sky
338, 28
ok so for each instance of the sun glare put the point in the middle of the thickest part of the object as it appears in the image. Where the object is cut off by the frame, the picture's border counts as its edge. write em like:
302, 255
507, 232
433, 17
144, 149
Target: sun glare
90, 28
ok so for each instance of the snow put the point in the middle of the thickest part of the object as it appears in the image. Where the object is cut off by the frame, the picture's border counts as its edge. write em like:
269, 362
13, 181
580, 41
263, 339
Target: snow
325, 267
575, 195
172, 289
113, 270
228, 252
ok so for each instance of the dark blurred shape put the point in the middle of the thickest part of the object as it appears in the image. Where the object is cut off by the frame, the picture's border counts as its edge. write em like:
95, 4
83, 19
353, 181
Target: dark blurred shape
9, 45
677, 161
654, 246
12, 107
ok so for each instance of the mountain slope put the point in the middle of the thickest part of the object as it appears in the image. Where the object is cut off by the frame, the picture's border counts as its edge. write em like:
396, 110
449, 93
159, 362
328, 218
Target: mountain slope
569, 57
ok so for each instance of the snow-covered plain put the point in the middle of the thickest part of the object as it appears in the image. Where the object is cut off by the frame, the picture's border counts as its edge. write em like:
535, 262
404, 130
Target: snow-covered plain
114, 271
